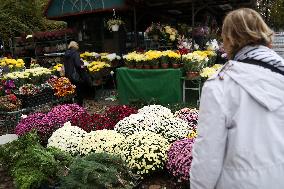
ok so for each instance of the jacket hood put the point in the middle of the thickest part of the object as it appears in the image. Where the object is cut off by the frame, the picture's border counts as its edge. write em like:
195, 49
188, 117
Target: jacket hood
70, 52
265, 86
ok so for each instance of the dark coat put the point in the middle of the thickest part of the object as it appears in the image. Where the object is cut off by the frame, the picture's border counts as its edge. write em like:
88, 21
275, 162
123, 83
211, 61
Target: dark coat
71, 60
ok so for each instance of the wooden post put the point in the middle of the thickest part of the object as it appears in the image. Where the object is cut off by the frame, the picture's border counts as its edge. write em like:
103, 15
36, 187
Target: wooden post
135, 27
193, 21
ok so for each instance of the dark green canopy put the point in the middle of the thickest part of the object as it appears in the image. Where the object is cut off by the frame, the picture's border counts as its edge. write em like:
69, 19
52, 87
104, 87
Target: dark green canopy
62, 8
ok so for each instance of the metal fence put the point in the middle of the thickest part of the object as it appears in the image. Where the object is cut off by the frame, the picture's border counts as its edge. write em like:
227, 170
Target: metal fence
278, 43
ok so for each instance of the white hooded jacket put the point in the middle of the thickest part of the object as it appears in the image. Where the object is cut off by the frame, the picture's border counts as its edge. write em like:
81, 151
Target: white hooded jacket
240, 142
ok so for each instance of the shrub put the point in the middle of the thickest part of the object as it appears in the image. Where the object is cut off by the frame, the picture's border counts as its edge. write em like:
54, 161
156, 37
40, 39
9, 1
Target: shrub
99, 171
30, 164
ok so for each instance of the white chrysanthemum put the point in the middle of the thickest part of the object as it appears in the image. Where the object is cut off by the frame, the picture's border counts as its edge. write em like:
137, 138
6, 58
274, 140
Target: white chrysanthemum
101, 141
136, 123
173, 129
67, 138
156, 110
145, 152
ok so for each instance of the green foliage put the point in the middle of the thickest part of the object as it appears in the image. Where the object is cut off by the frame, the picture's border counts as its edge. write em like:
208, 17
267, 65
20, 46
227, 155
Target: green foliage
272, 11
18, 17
30, 164
277, 14
101, 170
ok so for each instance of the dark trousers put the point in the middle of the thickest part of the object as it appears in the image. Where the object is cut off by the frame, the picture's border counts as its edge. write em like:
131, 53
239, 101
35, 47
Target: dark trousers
80, 94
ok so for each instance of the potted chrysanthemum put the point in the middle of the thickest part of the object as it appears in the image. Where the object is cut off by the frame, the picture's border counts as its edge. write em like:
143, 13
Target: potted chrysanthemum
114, 23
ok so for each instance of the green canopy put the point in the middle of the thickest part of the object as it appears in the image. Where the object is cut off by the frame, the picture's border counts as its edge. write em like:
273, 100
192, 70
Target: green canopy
62, 8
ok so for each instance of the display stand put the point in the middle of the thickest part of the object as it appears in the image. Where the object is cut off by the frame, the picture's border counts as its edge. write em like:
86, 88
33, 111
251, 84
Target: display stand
194, 87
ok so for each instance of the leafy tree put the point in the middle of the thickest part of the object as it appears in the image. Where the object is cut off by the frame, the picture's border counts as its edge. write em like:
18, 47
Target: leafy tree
17, 16
272, 11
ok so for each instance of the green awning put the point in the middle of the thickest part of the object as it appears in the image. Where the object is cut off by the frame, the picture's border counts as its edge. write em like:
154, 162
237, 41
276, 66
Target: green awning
62, 8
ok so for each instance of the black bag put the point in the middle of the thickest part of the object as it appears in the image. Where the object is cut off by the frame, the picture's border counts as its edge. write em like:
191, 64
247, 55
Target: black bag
75, 76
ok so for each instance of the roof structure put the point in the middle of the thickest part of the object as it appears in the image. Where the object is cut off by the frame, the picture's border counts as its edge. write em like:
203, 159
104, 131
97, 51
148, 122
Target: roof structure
60, 9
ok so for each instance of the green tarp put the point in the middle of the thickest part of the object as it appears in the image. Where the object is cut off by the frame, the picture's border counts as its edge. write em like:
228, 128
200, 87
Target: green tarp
161, 85
60, 8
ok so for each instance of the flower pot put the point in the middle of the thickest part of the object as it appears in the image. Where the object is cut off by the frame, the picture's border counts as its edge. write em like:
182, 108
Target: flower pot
147, 66
139, 66
175, 65
165, 66
131, 66
155, 66
192, 75
115, 28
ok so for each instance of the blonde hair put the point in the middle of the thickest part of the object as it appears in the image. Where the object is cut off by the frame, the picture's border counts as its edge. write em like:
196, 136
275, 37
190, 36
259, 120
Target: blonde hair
73, 44
244, 27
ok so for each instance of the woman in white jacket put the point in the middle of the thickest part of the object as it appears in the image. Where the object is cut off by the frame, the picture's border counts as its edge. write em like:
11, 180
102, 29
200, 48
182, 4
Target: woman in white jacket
240, 143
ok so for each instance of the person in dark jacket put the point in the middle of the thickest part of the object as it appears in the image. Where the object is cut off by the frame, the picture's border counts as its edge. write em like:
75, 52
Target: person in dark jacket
74, 69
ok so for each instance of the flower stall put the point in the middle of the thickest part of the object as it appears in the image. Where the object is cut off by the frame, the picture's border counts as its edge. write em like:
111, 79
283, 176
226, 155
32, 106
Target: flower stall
147, 141
23, 90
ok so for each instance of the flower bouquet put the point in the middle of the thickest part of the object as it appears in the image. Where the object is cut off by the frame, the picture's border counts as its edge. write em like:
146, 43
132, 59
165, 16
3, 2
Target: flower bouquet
144, 152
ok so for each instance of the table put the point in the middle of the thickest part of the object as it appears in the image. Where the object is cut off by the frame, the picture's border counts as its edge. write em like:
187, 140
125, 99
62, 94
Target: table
162, 85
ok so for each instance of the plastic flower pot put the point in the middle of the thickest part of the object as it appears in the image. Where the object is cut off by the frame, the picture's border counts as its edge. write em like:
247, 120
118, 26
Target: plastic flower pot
175, 66
164, 66
115, 28
131, 66
155, 66
139, 66
147, 66
192, 75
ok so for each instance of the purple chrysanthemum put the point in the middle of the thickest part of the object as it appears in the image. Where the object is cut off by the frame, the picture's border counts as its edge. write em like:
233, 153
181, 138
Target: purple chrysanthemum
180, 158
